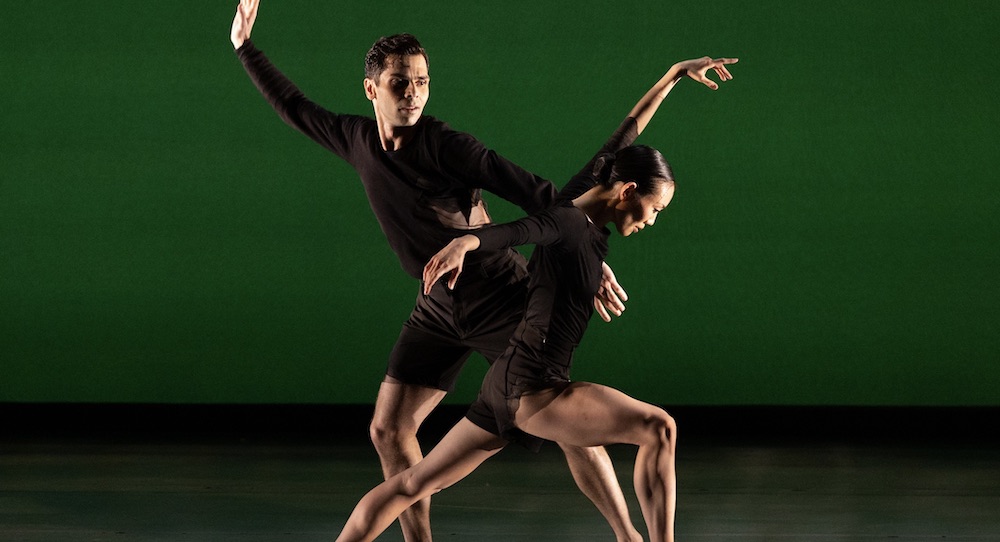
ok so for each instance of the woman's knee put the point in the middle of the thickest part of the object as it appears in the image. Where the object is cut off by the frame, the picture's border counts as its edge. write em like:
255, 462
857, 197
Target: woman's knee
410, 485
418, 483
660, 426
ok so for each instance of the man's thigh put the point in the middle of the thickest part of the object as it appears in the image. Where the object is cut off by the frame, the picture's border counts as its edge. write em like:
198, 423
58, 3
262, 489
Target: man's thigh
424, 358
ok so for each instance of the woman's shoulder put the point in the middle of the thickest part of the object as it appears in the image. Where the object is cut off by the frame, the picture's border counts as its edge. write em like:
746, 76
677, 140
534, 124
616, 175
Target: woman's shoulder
565, 208
573, 222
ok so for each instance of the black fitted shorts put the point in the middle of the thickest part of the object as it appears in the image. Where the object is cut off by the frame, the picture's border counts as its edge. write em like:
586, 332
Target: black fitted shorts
446, 326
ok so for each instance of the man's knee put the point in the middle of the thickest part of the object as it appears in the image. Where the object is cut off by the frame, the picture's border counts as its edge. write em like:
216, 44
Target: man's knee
391, 431
399, 411
389, 427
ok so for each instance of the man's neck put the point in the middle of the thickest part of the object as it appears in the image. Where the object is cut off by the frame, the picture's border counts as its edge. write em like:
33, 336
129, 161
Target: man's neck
394, 138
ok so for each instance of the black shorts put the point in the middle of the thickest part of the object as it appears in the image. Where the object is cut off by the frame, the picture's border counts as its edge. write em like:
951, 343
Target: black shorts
494, 409
480, 314
516, 373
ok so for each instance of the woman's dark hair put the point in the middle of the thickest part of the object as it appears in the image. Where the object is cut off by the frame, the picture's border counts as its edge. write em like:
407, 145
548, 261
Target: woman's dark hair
638, 163
398, 44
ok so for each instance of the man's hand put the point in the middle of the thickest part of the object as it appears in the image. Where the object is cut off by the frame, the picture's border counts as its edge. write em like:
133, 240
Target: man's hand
246, 14
697, 69
610, 295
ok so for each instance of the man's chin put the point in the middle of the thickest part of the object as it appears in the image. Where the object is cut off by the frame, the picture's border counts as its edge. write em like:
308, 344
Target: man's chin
410, 119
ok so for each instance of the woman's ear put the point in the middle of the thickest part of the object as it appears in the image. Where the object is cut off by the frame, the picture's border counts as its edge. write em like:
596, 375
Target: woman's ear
627, 191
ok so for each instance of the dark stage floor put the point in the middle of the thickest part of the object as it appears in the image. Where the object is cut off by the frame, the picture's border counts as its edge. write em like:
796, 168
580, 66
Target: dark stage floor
204, 486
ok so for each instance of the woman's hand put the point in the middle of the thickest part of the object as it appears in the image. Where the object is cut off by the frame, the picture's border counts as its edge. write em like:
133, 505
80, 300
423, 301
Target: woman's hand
697, 69
449, 260
611, 297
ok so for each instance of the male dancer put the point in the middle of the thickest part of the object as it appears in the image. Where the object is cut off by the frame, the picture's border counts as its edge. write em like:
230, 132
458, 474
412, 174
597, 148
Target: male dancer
423, 181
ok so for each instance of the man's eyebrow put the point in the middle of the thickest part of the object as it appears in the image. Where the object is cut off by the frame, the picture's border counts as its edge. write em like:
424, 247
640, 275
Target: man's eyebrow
402, 72
402, 75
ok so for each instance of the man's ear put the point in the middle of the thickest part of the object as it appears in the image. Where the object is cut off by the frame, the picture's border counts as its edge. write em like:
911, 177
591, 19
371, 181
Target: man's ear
370, 87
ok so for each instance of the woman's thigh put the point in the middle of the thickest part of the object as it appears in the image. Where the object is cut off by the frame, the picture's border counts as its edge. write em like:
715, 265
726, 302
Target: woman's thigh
464, 448
587, 414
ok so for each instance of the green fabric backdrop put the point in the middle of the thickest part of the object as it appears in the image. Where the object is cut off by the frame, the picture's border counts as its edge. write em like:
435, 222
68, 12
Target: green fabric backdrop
164, 237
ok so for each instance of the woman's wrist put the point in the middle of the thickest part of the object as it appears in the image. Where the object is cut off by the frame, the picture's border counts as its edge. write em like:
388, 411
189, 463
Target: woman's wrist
469, 242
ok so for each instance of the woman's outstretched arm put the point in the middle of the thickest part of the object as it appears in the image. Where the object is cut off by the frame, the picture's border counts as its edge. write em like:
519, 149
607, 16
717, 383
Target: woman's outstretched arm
696, 68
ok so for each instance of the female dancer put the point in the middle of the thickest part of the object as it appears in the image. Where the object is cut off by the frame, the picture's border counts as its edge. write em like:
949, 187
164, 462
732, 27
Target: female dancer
527, 395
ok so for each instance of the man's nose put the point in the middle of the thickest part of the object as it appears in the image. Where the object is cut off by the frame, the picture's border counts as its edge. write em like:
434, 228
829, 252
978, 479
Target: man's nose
412, 90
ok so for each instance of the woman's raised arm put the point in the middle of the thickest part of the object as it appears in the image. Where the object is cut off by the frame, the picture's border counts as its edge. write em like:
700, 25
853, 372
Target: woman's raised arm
696, 69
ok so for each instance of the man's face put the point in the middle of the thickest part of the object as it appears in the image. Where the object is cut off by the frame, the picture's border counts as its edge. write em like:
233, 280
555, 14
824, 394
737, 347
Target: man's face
401, 91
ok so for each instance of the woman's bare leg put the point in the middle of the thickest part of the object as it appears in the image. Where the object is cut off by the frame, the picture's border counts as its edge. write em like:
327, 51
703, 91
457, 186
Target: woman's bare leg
586, 414
595, 476
463, 449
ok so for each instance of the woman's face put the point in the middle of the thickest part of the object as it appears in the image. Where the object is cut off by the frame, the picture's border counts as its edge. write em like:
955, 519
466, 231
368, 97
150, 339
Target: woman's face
636, 211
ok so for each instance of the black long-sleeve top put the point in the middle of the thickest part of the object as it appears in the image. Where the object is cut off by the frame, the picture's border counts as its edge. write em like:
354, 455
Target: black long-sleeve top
421, 194
565, 272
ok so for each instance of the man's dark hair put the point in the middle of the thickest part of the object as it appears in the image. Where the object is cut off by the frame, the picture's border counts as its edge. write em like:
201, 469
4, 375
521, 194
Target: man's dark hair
399, 44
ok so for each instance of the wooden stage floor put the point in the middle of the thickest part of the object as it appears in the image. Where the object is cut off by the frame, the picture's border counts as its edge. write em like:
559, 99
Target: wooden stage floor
174, 487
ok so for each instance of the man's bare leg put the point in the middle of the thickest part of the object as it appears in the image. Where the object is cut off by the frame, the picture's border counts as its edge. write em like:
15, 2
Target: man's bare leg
400, 409
595, 475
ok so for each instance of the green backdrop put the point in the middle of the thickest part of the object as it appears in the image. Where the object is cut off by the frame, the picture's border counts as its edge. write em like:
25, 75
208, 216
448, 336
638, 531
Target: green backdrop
164, 237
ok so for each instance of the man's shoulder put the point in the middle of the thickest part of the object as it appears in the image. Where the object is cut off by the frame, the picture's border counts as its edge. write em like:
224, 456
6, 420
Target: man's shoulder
435, 127
357, 121
355, 129
428, 122
438, 138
